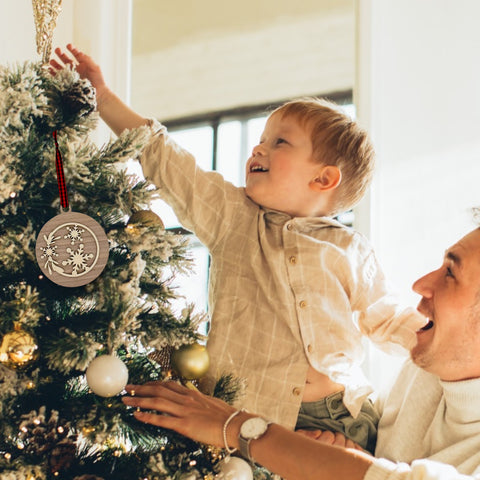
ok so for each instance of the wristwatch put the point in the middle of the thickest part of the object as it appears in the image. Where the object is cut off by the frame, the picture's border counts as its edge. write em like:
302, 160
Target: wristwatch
251, 429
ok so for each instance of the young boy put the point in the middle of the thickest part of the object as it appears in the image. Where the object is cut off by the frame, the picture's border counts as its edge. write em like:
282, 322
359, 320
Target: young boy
285, 278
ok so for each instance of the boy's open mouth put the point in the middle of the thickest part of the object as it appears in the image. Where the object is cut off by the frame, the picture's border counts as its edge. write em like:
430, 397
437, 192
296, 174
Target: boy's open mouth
258, 168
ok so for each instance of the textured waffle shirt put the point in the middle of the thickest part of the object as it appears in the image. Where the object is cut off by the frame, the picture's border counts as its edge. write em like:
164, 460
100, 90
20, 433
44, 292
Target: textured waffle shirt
282, 290
429, 429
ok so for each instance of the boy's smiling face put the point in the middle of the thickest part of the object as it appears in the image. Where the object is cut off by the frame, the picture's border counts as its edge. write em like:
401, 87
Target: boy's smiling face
281, 168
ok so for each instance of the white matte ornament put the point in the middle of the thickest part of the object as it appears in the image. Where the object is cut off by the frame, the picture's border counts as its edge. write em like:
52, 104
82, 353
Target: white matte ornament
72, 249
235, 468
107, 375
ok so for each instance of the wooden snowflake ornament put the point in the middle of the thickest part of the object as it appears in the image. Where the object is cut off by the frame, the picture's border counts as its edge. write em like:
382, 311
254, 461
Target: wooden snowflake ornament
72, 249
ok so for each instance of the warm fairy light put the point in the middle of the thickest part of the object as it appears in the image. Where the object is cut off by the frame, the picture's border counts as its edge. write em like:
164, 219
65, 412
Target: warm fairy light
117, 453
13, 194
60, 429
192, 463
36, 421
8, 456
30, 385
24, 429
20, 445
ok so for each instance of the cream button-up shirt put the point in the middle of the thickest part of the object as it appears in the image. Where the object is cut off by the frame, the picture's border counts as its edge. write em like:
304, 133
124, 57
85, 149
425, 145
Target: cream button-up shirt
284, 293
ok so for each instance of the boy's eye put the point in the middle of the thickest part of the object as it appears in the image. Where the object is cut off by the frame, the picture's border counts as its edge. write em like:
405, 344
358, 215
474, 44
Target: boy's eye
281, 140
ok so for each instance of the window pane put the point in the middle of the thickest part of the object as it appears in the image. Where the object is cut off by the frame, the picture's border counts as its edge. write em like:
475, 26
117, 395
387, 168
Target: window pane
255, 129
199, 142
230, 154
192, 288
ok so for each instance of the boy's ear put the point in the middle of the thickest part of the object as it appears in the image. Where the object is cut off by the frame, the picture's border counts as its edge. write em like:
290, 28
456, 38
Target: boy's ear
327, 178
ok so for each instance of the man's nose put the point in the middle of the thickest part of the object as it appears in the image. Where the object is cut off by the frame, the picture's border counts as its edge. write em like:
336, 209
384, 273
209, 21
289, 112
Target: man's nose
424, 286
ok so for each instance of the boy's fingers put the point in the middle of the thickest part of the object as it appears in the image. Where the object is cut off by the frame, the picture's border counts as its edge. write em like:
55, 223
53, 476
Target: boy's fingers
55, 64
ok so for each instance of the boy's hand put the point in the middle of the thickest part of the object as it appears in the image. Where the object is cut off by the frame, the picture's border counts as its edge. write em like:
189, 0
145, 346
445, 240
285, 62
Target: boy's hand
83, 64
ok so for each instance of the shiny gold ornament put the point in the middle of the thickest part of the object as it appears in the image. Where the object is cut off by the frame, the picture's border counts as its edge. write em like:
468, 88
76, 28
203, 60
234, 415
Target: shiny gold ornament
19, 349
145, 218
45, 13
190, 362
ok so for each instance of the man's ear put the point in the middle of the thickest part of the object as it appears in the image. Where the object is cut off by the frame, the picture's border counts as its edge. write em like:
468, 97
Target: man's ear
327, 178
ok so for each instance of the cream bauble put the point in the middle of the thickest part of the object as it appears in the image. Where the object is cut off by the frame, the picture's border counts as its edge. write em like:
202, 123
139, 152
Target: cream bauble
107, 375
235, 468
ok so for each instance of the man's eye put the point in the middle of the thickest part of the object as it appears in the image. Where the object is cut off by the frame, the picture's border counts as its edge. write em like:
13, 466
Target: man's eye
450, 273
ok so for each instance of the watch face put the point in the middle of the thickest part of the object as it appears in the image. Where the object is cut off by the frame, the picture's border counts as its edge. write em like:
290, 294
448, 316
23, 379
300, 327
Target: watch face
253, 427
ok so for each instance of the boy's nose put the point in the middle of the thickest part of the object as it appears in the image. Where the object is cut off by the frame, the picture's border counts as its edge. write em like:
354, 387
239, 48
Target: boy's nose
258, 150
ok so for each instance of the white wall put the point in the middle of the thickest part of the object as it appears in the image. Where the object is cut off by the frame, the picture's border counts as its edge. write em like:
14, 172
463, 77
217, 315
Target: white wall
418, 93
99, 27
17, 30
210, 59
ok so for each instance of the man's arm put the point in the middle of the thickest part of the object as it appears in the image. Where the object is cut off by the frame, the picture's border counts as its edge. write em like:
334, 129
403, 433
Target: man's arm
116, 114
282, 451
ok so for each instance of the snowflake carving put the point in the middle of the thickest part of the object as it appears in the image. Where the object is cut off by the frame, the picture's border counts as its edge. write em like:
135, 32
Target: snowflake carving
74, 234
78, 259
50, 251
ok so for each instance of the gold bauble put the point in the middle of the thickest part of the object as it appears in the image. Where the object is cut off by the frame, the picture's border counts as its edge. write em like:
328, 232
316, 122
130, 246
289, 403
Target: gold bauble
145, 218
190, 362
19, 349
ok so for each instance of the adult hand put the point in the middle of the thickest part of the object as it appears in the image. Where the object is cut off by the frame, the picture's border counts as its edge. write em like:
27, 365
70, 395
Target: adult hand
330, 438
188, 412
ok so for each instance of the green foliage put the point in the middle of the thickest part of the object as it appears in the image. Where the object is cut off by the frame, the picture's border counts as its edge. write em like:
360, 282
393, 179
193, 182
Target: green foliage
53, 426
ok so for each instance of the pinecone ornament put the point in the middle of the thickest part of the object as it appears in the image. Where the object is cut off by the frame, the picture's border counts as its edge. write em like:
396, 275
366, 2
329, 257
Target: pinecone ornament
79, 99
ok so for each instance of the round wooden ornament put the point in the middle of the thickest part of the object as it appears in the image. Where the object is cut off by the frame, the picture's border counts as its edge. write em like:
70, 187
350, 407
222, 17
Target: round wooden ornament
72, 249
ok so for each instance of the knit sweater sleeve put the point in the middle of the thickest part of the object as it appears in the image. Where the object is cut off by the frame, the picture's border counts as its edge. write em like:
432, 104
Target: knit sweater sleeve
423, 469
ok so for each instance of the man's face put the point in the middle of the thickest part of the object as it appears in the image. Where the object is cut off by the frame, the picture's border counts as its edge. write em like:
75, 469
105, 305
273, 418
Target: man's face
449, 345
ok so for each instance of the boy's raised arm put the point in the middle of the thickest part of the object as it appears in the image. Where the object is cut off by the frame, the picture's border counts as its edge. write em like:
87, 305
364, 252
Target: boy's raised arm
116, 114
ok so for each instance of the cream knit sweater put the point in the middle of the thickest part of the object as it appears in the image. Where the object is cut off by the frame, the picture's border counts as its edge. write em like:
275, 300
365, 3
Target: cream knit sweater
429, 429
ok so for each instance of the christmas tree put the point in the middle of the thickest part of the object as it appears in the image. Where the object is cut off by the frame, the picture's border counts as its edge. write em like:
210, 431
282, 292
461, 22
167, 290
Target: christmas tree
66, 348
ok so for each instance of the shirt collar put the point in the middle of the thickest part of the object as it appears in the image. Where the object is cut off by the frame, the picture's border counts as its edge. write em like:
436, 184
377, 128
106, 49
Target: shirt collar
303, 223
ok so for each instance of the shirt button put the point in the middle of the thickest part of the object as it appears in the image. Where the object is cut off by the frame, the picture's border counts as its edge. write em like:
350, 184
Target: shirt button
297, 391
310, 348
293, 260
289, 226
302, 304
